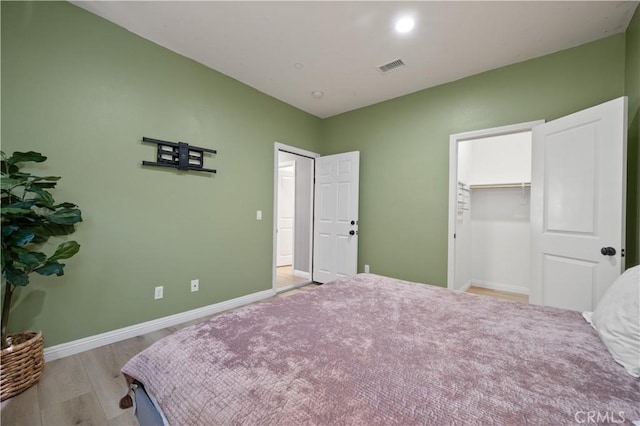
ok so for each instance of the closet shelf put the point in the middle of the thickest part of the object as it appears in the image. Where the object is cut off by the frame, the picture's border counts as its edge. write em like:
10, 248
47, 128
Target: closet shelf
502, 185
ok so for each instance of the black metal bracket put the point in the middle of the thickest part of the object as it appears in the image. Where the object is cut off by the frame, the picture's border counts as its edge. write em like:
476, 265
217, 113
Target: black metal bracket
181, 155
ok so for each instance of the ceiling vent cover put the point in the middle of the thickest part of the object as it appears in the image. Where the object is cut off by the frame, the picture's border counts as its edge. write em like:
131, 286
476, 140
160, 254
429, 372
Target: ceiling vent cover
393, 65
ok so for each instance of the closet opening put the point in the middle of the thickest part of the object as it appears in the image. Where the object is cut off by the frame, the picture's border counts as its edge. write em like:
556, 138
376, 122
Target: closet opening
489, 211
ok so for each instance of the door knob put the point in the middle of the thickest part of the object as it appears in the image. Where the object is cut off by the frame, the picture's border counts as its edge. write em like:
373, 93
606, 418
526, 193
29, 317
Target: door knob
353, 222
608, 251
352, 232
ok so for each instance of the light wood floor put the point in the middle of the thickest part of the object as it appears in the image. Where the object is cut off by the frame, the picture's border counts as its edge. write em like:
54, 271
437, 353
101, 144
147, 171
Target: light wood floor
286, 278
500, 294
85, 389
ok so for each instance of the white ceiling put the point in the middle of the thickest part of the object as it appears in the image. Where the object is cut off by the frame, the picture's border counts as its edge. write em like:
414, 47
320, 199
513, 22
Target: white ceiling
290, 49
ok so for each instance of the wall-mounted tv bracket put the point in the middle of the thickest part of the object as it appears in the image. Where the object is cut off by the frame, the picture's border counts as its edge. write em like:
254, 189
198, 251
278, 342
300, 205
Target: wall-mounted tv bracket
181, 156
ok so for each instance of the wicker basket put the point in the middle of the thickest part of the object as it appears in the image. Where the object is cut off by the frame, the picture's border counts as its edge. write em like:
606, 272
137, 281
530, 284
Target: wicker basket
21, 363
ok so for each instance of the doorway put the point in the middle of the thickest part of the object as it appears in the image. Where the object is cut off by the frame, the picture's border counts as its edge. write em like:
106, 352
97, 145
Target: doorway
489, 219
293, 217
325, 223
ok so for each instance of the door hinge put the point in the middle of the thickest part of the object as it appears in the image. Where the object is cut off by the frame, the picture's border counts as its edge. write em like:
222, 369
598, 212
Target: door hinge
454, 235
621, 252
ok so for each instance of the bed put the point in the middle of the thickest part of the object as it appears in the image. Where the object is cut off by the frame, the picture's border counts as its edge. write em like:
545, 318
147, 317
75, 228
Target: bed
374, 350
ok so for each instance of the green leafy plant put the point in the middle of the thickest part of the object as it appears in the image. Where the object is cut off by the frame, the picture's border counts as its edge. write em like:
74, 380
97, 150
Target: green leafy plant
30, 216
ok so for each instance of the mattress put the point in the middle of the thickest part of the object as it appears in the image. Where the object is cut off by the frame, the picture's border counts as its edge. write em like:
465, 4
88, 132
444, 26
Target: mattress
374, 350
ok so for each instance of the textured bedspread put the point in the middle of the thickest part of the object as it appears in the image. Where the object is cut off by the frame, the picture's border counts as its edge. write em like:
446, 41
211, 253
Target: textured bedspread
373, 350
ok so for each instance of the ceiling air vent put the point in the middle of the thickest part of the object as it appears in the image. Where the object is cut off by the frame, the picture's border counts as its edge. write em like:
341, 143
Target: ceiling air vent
393, 65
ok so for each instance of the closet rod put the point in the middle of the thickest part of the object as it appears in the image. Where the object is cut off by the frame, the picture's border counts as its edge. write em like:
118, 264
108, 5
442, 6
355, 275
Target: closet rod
502, 185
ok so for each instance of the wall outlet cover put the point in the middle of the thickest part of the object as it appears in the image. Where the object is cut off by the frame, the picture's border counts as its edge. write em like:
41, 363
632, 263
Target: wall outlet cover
195, 285
158, 292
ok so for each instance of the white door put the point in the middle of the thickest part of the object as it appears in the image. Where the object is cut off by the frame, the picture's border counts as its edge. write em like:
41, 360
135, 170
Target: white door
577, 206
335, 234
286, 212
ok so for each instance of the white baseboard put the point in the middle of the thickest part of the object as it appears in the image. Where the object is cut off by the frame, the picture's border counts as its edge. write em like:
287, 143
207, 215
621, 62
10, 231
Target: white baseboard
502, 287
302, 274
76, 346
465, 287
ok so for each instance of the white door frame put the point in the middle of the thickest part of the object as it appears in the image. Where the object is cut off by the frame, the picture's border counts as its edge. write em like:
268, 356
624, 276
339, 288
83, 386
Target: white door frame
277, 147
454, 139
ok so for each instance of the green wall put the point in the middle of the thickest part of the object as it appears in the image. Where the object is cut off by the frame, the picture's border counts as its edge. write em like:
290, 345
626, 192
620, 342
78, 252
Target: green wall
83, 92
404, 146
632, 90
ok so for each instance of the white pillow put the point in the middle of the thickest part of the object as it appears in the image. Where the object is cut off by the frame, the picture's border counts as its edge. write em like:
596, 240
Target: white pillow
617, 319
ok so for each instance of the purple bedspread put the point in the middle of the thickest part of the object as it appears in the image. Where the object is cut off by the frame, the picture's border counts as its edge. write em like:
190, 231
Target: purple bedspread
373, 350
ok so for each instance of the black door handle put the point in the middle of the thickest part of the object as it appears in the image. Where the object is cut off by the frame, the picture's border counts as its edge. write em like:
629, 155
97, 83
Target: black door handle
352, 232
353, 222
608, 251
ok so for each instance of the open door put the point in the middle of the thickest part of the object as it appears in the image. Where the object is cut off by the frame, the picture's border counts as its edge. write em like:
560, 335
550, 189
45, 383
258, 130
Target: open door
335, 235
577, 206
286, 212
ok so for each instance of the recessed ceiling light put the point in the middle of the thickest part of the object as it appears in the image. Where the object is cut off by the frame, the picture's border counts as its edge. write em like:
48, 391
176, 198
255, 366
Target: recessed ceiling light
298, 65
404, 25
317, 94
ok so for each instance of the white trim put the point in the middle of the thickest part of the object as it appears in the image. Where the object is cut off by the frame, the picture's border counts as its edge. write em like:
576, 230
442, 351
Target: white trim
465, 287
294, 150
293, 287
277, 147
453, 181
312, 187
76, 346
509, 288
453, 199
302, 274
497, 131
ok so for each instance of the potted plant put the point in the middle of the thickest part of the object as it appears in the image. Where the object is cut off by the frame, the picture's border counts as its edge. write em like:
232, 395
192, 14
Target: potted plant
29, 217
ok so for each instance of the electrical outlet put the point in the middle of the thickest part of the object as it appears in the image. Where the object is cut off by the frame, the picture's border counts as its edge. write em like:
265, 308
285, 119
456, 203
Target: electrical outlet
158, 293
195, 285
366, 269
259, 215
